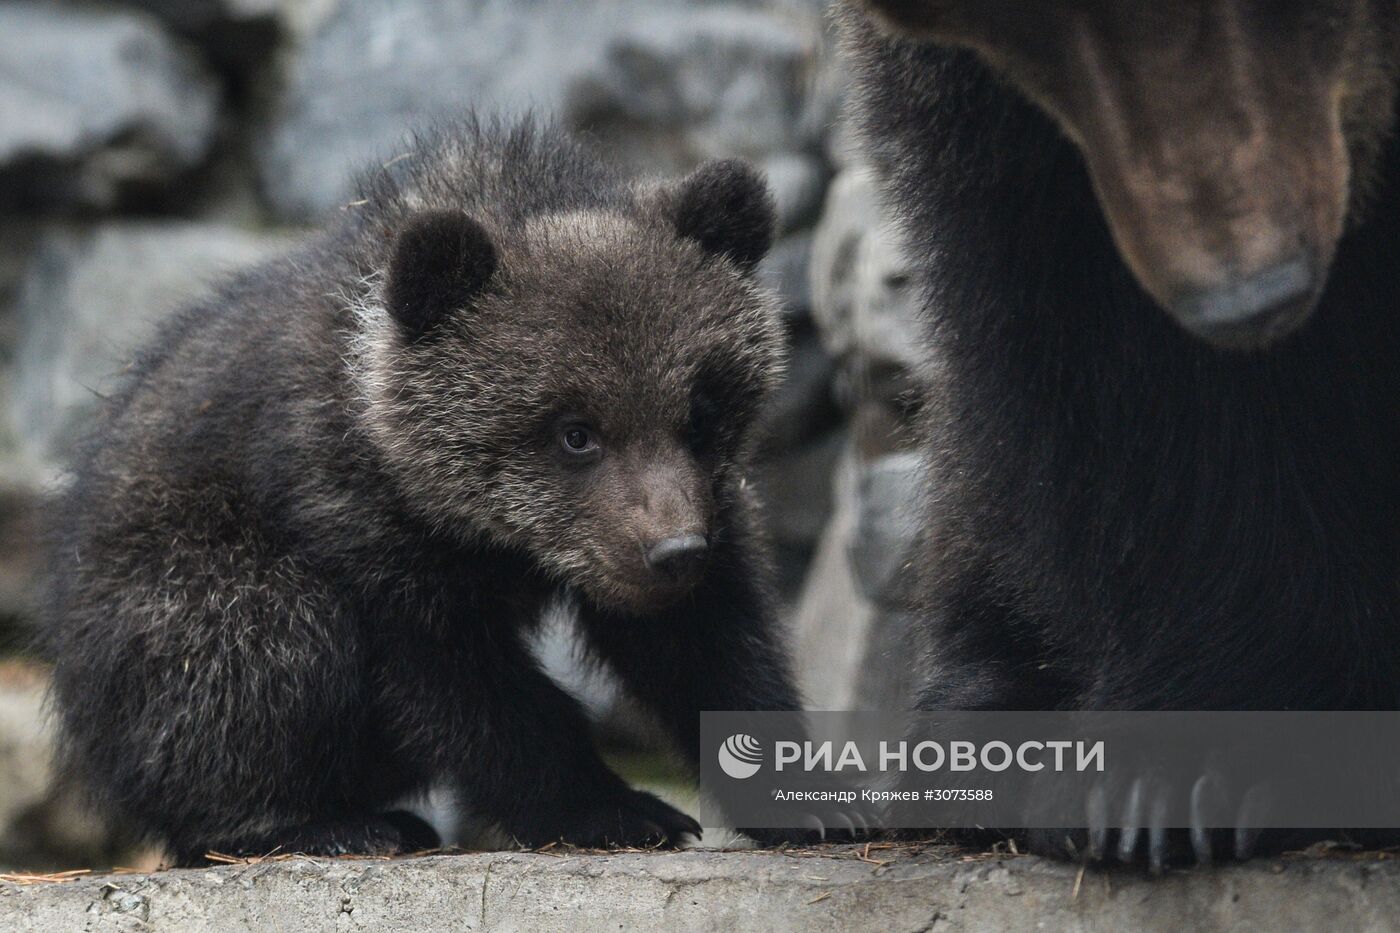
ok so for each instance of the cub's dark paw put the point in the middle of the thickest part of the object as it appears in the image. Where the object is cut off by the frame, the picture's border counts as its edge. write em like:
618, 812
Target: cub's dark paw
632, 819
414, 833
397, 832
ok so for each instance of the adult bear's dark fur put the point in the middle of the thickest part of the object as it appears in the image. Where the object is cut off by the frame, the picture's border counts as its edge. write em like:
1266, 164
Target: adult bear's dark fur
1121, 515
297, 564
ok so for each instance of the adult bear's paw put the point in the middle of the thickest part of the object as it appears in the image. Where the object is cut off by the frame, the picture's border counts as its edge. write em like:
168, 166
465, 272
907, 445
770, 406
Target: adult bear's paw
1127, 822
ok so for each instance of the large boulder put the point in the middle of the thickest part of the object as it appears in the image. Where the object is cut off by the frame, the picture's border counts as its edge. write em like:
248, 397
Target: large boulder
864, 298
887, 525
831, 623
94, 102
665, 83
786, 270
802, 438
695, 82
852, 633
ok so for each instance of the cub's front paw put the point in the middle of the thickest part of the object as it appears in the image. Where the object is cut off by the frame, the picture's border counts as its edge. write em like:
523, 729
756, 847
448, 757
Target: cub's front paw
397, 832
630, 819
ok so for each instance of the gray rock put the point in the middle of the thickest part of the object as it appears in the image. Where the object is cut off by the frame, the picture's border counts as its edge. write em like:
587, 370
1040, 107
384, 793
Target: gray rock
801, 440
831, 623
881, 549
887, 326
864, 299
690, 84
787, 270
796, 491
886, 680
663, 82
798, 183
887, 524
802, 409
851, 636
795, 488
92, 101
93, 296
829, 627
850, 214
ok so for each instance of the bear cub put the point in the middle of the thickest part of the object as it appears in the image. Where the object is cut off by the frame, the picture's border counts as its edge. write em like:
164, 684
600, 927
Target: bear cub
295, 571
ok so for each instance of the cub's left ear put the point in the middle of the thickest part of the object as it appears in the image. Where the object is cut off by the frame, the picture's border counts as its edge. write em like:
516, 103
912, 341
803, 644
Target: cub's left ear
725, 206
441, 260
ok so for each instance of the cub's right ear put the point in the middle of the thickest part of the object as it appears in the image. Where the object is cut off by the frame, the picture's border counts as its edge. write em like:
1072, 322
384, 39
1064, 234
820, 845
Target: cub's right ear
441, 260
726, 207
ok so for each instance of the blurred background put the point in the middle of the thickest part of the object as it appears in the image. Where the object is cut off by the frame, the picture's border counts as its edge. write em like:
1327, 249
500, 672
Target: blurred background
148, 146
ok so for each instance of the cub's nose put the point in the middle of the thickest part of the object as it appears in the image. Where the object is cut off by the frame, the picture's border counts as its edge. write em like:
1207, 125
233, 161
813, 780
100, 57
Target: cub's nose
677, 555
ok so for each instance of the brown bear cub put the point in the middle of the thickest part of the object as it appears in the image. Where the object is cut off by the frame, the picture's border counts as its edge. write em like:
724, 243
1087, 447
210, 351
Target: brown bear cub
296, 568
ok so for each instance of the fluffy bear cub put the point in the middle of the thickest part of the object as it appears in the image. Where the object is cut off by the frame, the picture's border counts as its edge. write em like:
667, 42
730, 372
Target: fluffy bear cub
295, 570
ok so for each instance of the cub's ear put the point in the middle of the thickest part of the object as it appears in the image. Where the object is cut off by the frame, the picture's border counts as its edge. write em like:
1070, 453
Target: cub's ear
724, 205
441, 260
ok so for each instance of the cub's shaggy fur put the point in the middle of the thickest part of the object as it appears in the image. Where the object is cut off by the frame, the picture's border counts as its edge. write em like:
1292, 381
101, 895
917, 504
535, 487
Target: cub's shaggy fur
294, 573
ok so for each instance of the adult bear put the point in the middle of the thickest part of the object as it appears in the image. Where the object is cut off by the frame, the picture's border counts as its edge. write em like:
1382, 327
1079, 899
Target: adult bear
1132, 509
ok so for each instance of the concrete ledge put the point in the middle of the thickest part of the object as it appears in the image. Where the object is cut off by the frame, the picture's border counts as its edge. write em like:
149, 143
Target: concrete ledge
830, 889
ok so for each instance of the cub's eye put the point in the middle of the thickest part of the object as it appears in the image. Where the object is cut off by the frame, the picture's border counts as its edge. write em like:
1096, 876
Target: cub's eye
704, 417
578, 439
